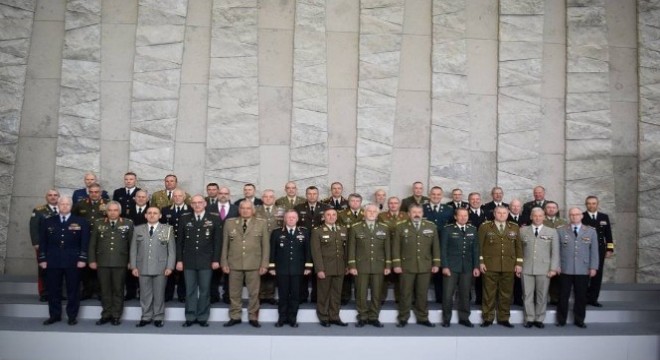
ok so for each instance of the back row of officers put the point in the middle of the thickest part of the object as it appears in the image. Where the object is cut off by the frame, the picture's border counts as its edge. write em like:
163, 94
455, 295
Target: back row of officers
524, 254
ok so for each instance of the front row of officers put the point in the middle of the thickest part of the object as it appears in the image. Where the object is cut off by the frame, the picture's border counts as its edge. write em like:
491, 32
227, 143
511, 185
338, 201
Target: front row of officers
369, 250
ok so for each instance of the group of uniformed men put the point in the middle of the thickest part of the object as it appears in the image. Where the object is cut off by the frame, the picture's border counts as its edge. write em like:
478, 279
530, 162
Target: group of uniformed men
520, 253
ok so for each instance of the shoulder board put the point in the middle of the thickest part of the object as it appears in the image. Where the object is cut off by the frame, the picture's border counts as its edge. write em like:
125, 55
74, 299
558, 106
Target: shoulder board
381, 223
428, 222
126, 220
40, 208
513, 223
401, 222
487, 222
449, 225
302, 228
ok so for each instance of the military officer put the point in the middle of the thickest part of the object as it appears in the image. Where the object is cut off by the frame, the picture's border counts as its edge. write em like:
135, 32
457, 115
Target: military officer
245, 255
172, 215
457, 200
476, 217
328, 246
601, 222
440, 215
552, 220
352, 215
137, 213
125, 195
63, 244
539, 201
92, 209
417, 196
83, 193
415, 256
515, 213
459, 252
108, 254
198, 245
500, 258
274, 217
369, 260
212, 193
336, 200
39, 214
578, 251
290, 259
152, 258
249, 193
163, 198
380, 199
291, 198
497, 193
391, 217
541, 263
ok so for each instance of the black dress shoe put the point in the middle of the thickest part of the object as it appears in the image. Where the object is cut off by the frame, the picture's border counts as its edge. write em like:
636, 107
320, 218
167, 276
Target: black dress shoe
293, 324
360, 323
560, 324
528, 324
344, 302
401, 324
128, 298
143, 323
188, 323
338, 323
324, 323
72, 321
581, 325
232, 322
159, 323
102, 321
279, 324
116, 321
486, 324
203, 323
51, 321
255, 323
182, 300
466, 323
43, 298
505, 324
539, 324
214, 299
445, 324
426, 323
595, 303
376, 323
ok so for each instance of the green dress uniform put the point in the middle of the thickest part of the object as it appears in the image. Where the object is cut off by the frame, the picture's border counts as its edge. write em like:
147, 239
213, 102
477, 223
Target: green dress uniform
109, 248
459, 249
391, 220
38, 215
91, 211
328, 256
289, 204
411, 200
348, 218
553, 291
161, 199
369, 253
501, 252
274, 217
416, 251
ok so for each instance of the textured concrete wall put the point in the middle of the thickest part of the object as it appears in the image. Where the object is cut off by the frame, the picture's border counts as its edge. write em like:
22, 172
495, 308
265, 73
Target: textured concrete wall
372, 93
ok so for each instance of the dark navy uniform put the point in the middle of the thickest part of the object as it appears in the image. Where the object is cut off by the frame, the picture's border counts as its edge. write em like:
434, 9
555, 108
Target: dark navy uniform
605, 243
290, 255
126, 200
440, 215
39, 214
62, 245
339, 205
171, 216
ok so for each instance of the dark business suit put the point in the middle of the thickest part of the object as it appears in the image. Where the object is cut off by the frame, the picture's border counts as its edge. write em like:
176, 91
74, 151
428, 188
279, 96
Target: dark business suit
231, 211
603, 228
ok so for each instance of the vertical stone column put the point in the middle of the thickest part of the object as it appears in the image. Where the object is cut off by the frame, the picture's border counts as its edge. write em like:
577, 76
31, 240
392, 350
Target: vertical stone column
15, 31
232, 142
309, 122
519, 95
589, 167
381, 26
648, 263
79, 132
156, 82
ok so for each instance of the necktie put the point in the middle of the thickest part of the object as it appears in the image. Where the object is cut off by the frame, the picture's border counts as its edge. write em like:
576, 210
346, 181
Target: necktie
575, 231
223, 214
178, 209
311, 210
515, 218
501, 228
593, 217
151, 231
463, 229
63, 219
332, 228
199, 218
128, 192
380, 206
112, 224
536, 232
416, 225
291, 232
336, 203
55, 210
457, 205
169, 195
139, 211
435, 208
355, 213
371, 227
244, 226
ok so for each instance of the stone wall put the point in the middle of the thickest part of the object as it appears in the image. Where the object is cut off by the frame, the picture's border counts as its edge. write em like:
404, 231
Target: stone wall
372, 93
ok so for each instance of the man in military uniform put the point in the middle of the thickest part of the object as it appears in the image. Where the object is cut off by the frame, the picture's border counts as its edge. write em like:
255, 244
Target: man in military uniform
541, 263
336, 200
137, 213
198, 245
497, 193
273, 215
457, 200
476, 217
212, 193
500, 258
417, 197
601, 222
290, 259
92, 209
172, 215
224, 210
245, 255
552, 220
380, 199
515, 213
163, 198
291, 198
328, 246
539, 201
459, 252
125, 195
249, 193
440, 215
415, 256
352, 215
109, 247
578, 251
83, 193
369, 260
391, 218
63, 244
39, 214
152, 258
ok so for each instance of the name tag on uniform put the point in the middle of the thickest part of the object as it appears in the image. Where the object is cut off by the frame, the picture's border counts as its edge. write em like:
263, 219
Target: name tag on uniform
74, 227
208, 223
512, 233
546, 237
586, 239
427, 232
325, 236
300, 237
381, 233
603, 222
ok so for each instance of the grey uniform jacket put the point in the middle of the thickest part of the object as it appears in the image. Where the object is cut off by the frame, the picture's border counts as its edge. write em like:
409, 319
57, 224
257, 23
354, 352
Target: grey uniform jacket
540, 254
151, 255
578, 254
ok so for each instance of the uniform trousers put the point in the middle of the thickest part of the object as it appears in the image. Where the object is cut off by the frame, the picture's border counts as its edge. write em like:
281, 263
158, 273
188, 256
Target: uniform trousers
288, 291
267, 287
368, 310
437, 286
152, 297
535, 288
593, 291
497, 288
328, 299
414, 285
463, 283
54, 277
41, 278
112, 281
175, 280
252, 280
198, 303
579, 284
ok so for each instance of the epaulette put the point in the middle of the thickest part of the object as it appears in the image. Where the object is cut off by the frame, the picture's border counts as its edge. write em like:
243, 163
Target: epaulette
513, 223
448, 225
487, 222
428, 221
401, 222
41, 207
382, 223
302, 227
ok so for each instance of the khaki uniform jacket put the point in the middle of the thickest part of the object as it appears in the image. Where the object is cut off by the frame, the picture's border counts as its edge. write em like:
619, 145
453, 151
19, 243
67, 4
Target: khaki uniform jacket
151, 255
110, 247
273, 220
347, 218
391, 221
500, 252
286, 204
91, 212
416, 251
329, 249
369, 251
160, 199
555, 223
245, 251
540, 254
